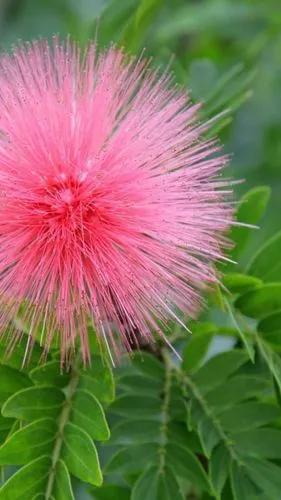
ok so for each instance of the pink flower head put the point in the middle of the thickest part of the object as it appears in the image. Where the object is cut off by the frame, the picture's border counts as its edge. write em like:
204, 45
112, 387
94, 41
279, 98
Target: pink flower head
112, 210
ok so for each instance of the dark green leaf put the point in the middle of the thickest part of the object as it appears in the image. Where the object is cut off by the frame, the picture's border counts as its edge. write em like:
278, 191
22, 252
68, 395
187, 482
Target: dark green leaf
135, 406
263, 443
242, 486
247, 416
266, 476
156, 485
187, 465
219, 368
219, 464
124, 461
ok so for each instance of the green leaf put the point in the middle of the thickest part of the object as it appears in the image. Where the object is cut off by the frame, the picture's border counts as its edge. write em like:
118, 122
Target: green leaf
62, 487
262, 443
80, 455
260, 302
244, 337
187, 465
139, 22
15, 359
236, 389
195, 350
242, 487
219, 463
266, 264
134, 406
29, 442
247, 416
270, 328
266, 475
240, 283
28, 482
11, 381
88, 414
50, 374
156, 485
208, 434
250, 210
124, 461
272, 360
219, 368
33, 403
98, 380
148, 365
135, 432
111, 492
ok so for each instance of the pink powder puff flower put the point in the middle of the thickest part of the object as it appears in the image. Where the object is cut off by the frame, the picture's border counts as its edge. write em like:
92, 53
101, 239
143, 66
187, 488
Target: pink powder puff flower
112, 208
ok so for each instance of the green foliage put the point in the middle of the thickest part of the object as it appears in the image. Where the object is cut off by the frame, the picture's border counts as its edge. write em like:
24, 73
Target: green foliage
59, 418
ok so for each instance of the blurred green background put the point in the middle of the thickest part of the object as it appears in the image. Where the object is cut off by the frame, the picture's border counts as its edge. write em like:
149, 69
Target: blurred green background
227, 52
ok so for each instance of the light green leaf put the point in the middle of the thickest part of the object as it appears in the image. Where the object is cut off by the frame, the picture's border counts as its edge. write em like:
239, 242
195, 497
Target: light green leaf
50, 373
62, 487
156, 485
244, 337
195, 350
260, 302
98, 380
250, 210
240, 283
87, 413
80, 455
28, 482
33, 403
12, 380
266, 264
29, 442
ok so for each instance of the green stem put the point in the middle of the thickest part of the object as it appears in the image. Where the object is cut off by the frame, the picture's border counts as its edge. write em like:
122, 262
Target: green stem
165, 412
62, 421
187, 383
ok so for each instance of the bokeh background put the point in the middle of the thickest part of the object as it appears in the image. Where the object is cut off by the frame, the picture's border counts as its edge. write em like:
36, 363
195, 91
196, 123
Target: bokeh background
226, 52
